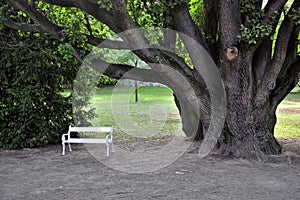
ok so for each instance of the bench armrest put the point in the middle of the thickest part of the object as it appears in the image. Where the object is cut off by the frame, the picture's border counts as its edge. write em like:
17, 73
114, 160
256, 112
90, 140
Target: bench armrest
63, 137
109, 137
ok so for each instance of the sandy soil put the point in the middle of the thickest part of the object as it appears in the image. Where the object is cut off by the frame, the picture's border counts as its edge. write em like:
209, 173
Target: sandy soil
45, 174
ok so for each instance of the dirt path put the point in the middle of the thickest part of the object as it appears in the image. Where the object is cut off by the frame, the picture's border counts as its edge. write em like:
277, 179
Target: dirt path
45, 174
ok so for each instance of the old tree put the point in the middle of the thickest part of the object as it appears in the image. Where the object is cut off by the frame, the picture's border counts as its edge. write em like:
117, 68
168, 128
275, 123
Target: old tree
255, 49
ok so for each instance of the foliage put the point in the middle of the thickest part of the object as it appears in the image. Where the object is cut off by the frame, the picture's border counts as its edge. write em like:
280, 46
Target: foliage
156, 13
295, 16
149, 13
76, 26
86, 81
35, 69
197, 12
105, 80
255, 27
125, 57
299, 45
33, 112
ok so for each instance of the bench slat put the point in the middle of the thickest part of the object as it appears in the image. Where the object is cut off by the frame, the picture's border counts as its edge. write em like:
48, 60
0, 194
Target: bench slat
90, 129
87, 140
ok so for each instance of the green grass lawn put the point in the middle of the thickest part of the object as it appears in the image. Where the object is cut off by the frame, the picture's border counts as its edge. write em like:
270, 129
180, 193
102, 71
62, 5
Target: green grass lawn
155, 114
156, 108
288, 116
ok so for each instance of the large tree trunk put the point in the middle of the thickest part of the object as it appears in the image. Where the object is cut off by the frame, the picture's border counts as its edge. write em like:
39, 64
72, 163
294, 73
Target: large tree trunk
250, 121
250, 116
248, 134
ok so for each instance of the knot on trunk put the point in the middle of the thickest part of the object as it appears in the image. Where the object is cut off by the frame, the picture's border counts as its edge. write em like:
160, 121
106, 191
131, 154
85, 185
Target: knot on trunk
232, 53
272, 85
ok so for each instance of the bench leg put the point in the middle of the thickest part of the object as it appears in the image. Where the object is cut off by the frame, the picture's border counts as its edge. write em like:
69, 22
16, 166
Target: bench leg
112, 147
63, 146
69, 144
107, 148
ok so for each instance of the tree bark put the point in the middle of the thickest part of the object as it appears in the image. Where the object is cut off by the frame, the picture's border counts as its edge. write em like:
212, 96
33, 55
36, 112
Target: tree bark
249, 126
250, 138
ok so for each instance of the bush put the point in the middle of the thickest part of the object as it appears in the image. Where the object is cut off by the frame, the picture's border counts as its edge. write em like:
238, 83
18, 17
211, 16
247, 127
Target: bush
32, 110
32, 116
106, 81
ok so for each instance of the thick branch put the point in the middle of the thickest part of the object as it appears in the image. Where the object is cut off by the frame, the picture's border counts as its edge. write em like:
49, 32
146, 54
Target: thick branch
100, 14
229, 23
271, 7
122, 16
140, 44
119, 71
21, 26
36, 16
63, 3
291, 55
294, 69
262, 59
169, 39
211, 25
48, 26
263, 47
106, 43
131, 35
273, 10
184, 24
281, 48
177, 63
286, 85
91, 8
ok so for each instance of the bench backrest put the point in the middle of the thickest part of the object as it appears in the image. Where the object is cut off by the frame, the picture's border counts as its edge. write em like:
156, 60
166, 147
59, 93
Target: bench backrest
91, 129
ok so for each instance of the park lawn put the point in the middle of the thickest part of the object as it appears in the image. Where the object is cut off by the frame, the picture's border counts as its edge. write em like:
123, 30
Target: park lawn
288, 116
155, 115
156, 101
288, 126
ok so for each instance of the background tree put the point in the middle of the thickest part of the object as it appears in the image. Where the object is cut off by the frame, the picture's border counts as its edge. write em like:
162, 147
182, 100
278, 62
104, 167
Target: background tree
258, 67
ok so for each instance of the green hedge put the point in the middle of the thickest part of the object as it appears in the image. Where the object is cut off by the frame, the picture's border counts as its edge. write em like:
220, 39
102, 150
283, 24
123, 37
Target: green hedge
32, 110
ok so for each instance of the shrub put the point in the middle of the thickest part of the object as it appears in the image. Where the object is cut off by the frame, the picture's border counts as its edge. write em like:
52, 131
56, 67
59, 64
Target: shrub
106, 81
32, 110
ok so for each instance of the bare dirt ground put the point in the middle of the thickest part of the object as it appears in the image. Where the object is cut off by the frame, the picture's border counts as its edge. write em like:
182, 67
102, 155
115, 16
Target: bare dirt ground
45, 174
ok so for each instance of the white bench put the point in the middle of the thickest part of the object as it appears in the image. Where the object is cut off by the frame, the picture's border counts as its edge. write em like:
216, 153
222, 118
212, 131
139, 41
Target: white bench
66, 138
